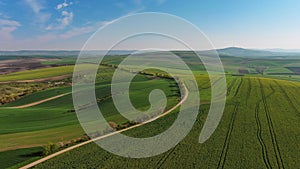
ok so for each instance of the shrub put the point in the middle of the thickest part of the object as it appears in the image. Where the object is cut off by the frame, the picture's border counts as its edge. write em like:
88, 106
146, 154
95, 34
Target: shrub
49, 148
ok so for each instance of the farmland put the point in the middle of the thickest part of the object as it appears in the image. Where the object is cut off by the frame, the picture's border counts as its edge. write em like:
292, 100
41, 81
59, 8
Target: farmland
155, 84
258, 128
255, 132
55, 120
37, 74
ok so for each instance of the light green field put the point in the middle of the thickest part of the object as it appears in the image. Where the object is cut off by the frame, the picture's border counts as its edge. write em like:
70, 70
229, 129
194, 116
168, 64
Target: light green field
54, 120
60, 61
277, 70
260, 118
40, 95
253, 133
37, 73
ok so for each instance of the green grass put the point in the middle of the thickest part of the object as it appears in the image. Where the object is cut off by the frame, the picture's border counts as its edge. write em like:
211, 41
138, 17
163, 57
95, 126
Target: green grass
54, 113
259, 128
277, 70
37, 73
39, 96
288, 78
60, 61
52, 121
245, 137
32, 119
40, 137
13, 157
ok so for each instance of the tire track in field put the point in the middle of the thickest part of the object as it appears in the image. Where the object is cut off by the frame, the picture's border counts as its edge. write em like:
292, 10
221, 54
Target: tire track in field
231, 86
259, 134
211, 84
164, 158
238, 88
288, 98
224, 152
260, 139
279, 160
100, 165
249, 90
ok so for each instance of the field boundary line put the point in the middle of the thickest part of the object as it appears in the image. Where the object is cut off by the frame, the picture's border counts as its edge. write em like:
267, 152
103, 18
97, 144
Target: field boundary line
186, 93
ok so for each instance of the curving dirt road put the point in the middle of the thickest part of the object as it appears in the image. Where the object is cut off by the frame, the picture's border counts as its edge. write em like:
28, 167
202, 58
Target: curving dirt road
39, 102
107, 135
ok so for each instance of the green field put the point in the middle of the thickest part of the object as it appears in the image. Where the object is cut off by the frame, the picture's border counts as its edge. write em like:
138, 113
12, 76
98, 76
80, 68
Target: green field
278, 70
37, 73
55, 121
13, 157
255, 132
258, 129
149, 84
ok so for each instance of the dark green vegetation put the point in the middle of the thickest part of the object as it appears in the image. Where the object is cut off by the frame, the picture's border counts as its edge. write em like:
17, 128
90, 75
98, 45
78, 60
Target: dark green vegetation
283, 67
13, 157
259, 128
56, 121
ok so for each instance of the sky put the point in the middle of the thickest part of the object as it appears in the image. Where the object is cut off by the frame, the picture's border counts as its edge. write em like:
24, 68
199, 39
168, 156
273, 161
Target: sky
67, 24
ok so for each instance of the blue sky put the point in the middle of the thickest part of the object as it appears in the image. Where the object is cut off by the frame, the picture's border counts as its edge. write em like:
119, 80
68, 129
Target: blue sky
67, 24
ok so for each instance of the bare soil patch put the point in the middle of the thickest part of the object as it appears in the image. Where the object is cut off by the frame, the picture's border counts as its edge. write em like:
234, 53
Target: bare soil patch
10, 66
296, 70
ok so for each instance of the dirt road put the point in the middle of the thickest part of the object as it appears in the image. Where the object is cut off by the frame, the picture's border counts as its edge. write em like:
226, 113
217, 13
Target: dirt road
39, 102
107, 135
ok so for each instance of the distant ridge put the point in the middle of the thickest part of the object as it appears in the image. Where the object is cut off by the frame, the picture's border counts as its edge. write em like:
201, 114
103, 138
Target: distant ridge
230, 51
283, 50
60, 52
253, 53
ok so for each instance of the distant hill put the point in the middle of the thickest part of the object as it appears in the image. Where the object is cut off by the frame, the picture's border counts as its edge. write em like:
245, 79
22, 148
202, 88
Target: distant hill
226, 52
59, 52
283, 50
38, 53
251, 53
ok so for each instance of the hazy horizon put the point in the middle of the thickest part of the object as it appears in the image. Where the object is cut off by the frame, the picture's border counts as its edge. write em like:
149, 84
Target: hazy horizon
226, 47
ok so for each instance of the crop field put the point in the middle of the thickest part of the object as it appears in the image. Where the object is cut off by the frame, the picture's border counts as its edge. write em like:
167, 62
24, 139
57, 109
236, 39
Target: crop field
19, 156
258, 128
278, 70
155, 84
55, 120
37, 73
255, 132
